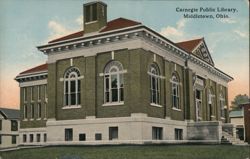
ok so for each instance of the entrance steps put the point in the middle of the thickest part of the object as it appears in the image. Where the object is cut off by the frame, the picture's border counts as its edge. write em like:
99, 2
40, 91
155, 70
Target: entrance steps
228, 139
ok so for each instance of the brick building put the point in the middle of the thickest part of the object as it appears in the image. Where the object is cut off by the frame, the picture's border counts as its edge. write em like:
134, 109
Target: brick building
119, 81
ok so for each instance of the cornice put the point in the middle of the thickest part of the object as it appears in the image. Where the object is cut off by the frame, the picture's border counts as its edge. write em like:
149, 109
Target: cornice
138, 31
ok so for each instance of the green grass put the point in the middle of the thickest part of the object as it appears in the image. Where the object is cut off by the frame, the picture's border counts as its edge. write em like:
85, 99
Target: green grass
132, 152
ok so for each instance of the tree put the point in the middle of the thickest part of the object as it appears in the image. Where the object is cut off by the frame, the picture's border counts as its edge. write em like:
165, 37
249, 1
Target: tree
239, 99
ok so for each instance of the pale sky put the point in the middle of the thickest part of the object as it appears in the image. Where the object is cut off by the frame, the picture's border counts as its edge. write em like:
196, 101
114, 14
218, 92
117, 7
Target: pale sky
30, 23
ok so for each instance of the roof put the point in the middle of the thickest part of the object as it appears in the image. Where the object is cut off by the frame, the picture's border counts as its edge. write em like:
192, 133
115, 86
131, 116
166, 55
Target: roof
236, 113
115, 24
10, 113
40, 68
189, 45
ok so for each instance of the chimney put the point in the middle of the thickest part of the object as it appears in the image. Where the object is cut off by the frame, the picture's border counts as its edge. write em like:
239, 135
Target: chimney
95, 16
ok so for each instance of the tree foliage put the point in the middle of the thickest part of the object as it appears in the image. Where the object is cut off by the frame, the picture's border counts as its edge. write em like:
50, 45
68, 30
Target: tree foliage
239, 99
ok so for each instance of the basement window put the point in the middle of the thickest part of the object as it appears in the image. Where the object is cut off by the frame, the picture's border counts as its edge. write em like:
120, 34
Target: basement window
157, 133
178, 134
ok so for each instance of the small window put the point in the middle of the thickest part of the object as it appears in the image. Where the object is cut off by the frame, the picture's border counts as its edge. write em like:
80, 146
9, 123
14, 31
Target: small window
13, 139
0, 124
45, 137
31, 137
113, 133
38, 137
24, 138
178, 134
82, 137
68, 134
157, 133
98, 136
14, 125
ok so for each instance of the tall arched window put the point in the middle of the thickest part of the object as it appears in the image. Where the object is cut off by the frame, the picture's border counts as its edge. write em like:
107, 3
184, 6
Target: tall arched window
222, 104
113, 82
154, 84
72, 87
175, 91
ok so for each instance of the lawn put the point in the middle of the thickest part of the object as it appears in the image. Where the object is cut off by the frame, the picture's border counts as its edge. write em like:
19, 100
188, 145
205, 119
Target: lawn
132, 152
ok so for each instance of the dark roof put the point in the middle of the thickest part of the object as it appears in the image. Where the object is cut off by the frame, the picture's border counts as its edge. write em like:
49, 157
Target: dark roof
189, 45
236, 113
40, 68
10, 113
118, 23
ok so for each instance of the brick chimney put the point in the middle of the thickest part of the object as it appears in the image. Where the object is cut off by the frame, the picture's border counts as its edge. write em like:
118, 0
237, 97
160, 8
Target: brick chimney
95, 16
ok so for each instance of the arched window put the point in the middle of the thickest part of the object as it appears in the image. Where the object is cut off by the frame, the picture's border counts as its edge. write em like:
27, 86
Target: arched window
175, 91
113, 82
72, 87
222, 105
154, 84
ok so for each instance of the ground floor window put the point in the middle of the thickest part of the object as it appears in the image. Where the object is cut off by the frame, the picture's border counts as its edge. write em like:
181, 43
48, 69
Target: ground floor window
178, 134
13, 139
82, 137
0, 139
38, 137
157, 133
68, 134
98, 136
45, 137
24, 138
31, 137
113, 133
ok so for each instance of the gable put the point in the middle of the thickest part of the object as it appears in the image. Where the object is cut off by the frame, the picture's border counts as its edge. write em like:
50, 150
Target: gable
202, 52
198, 48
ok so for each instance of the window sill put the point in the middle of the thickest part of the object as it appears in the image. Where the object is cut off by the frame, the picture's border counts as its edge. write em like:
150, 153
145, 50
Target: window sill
90, 22
155, 105
25, 119
38, 119
173, 108
72, 107
31, 119
222, 118
113, 104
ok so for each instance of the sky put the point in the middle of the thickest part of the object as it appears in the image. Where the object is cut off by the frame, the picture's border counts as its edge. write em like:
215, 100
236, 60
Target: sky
29, 23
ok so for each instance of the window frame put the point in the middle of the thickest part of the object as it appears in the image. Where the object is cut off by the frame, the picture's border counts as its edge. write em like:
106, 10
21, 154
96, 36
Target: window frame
25, 112
222, 102
157, 133
72, 78
24, 138
155, 85
175, 85
39, 110
13, 139
32, 111
178, 134
68, 134
14, 125
113, 133
113, 70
